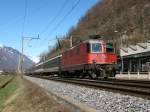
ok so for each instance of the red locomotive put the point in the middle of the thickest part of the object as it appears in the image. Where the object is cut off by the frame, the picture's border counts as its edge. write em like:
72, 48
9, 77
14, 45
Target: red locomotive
92, 58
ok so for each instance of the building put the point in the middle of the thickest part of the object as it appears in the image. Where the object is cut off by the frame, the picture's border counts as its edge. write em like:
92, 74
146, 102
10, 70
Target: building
135, 58
1, 72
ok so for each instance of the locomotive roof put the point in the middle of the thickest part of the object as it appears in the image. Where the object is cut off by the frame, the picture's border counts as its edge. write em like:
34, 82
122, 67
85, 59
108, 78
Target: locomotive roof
93, 40
52, 58
87, 41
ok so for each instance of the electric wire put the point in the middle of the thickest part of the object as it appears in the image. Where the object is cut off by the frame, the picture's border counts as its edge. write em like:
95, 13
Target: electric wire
65, 16
24, 18
62, 20
20, 63
54, 18
20, 18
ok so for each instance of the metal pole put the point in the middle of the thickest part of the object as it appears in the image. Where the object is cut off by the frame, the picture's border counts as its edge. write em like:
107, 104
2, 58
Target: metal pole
19, 63
149, 75
70, 41
122, 65
121, 56
22, 57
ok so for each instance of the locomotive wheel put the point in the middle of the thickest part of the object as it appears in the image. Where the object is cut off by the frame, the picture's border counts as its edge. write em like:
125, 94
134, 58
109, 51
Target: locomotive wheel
113, 73
65, 74
82, 76
105, 75
92, 75
105, 78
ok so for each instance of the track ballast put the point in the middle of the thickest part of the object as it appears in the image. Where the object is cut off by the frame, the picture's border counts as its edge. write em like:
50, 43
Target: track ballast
132, 87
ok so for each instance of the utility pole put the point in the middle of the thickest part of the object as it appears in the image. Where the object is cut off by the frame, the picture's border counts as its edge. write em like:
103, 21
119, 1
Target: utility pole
121, 46
70, 41
21, 64
22, 55
121, 56
58, 40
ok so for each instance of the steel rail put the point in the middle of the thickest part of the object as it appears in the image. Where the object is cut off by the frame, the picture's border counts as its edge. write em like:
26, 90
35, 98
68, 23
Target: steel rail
125, 86
119, 82
135, 88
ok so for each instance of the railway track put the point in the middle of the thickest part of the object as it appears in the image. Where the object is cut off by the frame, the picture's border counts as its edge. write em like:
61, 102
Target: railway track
137, 88
132, 87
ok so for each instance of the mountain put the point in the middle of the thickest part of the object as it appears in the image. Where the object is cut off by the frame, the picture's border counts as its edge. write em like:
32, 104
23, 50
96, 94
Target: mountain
9, 58
126, 21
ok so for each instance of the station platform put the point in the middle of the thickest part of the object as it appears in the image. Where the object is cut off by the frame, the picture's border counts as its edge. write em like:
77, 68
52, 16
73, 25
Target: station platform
133, 76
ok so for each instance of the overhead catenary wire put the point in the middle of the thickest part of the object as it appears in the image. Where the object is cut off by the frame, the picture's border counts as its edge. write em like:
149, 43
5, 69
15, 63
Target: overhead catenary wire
24, 18
55, 17
20, 18
65, 16
20, 63
61, 9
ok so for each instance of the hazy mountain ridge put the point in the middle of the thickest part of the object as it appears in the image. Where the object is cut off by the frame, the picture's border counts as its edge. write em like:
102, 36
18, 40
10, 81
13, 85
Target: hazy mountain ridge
9, 58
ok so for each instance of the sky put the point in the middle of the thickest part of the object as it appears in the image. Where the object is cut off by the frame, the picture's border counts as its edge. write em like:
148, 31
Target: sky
46, 18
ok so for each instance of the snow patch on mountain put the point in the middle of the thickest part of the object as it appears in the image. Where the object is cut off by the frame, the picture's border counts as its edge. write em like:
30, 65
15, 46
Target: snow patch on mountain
9, 59
1, 46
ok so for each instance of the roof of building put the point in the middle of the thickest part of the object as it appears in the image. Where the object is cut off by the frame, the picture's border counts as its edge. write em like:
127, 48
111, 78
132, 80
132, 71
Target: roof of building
135, 49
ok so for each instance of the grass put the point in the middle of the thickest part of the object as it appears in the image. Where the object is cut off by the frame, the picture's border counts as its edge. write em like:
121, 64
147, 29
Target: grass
4, 79
7, 91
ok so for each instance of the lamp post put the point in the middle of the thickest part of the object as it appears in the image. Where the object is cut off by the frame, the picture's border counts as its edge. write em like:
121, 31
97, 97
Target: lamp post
22, 60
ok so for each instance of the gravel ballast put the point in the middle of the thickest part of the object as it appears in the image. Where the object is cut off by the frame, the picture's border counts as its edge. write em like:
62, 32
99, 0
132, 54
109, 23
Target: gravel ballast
102, 101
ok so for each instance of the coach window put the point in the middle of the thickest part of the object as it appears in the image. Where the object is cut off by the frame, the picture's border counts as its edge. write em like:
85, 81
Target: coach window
109, 48
88, 47
96, 47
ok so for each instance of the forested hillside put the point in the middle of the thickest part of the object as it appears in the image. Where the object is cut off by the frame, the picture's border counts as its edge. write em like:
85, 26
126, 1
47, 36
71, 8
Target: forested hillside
113, 19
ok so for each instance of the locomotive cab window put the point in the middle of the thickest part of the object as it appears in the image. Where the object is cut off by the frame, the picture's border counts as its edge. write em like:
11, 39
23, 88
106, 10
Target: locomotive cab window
109, 47
88, 47
96, 47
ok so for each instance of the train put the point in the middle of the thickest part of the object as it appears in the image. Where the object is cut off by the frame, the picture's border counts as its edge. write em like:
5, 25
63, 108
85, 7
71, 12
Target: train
92, 58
